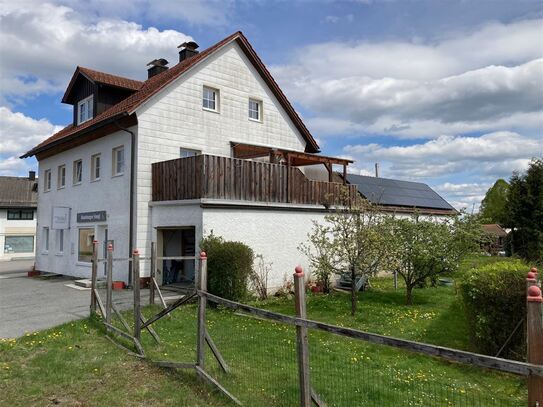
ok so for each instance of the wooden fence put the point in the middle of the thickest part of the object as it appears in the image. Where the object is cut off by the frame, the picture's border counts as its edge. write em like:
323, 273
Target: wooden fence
215, 177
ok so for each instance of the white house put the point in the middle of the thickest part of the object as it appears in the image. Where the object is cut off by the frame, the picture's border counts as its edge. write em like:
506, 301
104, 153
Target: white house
18, 202
210, 145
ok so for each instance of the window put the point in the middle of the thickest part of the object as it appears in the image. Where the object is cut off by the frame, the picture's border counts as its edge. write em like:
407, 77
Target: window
84, 110
78, 171
61, 176
210, 99
255, 110
60, 240
19, 244
86, 236
187, 152
95, 167
118, 161
46, 239
20, 214
47, 180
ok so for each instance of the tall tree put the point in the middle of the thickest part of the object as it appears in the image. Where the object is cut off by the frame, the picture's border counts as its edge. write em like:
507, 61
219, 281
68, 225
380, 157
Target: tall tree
494, 204
525, 212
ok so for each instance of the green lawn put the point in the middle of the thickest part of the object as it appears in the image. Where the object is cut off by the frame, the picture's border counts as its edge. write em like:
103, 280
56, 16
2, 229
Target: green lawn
75, 364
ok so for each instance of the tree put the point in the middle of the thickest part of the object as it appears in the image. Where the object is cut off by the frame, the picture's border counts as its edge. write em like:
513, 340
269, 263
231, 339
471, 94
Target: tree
525, 212
425, 248
494, 204
348, 241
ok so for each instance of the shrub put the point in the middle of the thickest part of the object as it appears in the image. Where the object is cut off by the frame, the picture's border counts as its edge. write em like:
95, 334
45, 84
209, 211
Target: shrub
494, 298
229, 265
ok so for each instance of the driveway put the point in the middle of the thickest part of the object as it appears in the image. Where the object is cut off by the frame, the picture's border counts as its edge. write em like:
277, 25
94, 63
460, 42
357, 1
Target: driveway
32, 304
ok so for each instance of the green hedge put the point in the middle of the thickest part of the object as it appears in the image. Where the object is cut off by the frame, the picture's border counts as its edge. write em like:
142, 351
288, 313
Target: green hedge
228, 267
494, 298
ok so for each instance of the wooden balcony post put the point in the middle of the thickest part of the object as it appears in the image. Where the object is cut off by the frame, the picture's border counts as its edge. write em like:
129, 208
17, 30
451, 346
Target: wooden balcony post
534, 339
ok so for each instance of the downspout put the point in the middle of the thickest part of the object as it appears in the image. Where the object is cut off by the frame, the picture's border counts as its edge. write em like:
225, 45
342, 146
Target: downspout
132, 178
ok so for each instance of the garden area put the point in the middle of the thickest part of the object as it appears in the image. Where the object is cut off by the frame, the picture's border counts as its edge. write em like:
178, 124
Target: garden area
75, 364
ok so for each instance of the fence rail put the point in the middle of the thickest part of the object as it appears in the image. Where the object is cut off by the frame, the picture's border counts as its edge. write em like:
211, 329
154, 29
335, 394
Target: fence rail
215, 177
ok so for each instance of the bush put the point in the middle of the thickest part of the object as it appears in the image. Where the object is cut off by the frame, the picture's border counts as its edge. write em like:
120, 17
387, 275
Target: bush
494, 298
229, 265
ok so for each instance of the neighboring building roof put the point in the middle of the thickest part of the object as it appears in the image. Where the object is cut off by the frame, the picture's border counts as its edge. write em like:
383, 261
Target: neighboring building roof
158, 82
18, 192
101, 77
396, 193
495, 229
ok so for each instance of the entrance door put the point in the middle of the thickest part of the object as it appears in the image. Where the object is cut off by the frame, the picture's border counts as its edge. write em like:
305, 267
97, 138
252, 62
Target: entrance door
178, 242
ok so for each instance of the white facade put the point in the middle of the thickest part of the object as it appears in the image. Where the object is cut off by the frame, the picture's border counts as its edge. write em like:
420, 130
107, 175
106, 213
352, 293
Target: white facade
17, 236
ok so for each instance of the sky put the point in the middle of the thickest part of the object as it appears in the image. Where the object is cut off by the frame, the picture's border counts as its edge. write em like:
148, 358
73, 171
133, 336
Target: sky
449, 93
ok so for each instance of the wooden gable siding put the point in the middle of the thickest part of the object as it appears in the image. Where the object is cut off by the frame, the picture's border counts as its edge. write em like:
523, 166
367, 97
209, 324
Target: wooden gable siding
107, 96
83, 88
215, 177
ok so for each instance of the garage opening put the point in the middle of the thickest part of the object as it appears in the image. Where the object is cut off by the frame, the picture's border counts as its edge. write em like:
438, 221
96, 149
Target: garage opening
177, 242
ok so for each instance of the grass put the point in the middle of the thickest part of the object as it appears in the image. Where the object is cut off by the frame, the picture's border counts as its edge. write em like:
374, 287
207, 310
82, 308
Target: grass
75, 364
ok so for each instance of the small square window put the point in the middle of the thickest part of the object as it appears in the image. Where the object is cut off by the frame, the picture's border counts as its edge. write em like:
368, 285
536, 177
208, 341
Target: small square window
210, 100
84, 110
47, 180
187, 152
61, 176
95, 167
255, 110
78, 172
118, 161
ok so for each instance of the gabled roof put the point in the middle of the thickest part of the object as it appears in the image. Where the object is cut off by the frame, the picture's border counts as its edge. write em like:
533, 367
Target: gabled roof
495, 229
158, 82
396, 193
101, 77
18, 192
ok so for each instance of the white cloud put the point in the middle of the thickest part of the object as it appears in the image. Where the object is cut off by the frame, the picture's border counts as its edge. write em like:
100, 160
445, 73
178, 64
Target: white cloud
18, 134
41, 43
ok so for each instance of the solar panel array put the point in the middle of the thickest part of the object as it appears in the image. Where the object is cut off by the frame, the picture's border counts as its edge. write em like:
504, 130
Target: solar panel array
393, 192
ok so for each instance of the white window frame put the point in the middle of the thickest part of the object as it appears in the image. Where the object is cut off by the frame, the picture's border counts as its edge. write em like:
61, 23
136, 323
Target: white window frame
96, 158
77, 181
258, 110
114, 160
215, 100
88, 104
61, 176
47, 180
188, 152
45, 239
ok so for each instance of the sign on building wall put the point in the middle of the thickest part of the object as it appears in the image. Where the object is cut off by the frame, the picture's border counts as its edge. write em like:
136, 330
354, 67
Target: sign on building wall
61, 218
96, 216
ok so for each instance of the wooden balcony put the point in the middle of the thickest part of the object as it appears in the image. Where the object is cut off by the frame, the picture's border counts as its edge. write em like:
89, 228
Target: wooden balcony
214, 177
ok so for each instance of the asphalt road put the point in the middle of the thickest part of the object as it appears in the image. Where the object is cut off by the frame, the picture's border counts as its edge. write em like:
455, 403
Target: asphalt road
32, 304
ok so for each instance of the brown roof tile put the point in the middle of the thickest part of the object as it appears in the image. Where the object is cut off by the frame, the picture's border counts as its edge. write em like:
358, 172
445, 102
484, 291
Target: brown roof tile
18, 192
158, 82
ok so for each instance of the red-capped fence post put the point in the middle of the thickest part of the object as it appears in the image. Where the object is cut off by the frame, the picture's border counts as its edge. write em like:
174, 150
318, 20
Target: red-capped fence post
302, 346
202, 303
109, 282
136, 287
534, 340
94, 272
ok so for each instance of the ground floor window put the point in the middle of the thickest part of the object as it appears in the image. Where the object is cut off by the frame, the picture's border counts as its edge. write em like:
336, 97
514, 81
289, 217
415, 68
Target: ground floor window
60, 241
86, 236
19, 244
46, 239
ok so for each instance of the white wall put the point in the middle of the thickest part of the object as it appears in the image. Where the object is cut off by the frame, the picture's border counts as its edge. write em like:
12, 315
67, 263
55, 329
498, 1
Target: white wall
110, 194
275, 234
175, 118
15, 228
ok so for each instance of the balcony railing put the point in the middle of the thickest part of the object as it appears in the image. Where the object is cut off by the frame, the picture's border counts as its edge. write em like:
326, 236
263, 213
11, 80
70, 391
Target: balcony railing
214, 177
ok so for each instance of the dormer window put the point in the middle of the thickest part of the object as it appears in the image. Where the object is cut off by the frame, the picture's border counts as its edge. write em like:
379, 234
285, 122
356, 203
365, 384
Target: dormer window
84, 110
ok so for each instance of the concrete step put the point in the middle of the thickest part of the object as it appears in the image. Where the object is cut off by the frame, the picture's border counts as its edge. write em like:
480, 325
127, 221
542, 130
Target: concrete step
85, 283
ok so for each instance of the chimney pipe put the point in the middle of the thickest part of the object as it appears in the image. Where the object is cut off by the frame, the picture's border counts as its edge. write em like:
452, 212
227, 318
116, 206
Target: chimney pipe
156, 66
32, 175
376, 170
188, 50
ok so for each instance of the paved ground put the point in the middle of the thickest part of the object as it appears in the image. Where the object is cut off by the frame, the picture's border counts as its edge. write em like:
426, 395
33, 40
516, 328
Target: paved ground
32, 304
16, 267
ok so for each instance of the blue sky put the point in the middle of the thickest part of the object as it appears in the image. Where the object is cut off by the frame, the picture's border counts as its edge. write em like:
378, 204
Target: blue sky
444, 92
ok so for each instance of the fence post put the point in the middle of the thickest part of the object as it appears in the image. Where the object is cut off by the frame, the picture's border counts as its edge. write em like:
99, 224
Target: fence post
136, 285
109, 282
202, 303
301, 339
534, 341
153, 274
94, 272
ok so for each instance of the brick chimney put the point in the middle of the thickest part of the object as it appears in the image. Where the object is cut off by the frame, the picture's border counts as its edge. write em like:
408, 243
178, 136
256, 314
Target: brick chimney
156, 66
188, 50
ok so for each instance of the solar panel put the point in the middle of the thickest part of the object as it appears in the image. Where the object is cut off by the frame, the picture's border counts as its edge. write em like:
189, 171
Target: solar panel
385, 191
